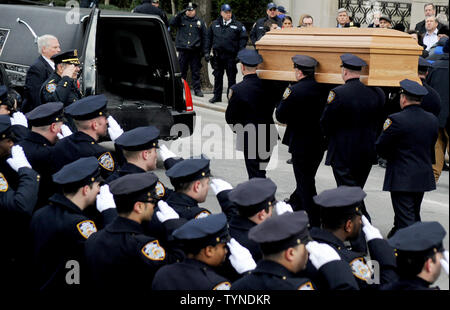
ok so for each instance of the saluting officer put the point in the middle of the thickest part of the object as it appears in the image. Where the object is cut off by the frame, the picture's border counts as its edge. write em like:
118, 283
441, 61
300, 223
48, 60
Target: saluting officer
285, 242
301, 109
226, 37
62, 85
17, 203
90, 118
121, 253
190, 178
407, 142
420, 256
139, 146
60, 229
191, 43
250, 111
342, 221
350, 121
45, 121
259, 29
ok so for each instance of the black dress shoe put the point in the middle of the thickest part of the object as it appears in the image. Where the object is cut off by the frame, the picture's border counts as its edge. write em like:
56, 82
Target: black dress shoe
445, 167
199, 93
212, 100
289, 161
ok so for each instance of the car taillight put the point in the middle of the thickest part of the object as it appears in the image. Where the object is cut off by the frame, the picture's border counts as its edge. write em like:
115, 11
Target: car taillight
187, 96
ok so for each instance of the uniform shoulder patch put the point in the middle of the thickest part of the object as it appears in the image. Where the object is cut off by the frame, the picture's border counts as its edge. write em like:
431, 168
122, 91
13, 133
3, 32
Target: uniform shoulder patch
223, 286
308, 286
106, 161
154, 251
86, 228
360, 269
50, 87
331, 97
387, 123
3, 183
202, 214
286, 94
160, 189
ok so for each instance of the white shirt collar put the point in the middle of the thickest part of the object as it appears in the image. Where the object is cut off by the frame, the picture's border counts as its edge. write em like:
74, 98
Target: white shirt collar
50, 62
434, 32
226, 23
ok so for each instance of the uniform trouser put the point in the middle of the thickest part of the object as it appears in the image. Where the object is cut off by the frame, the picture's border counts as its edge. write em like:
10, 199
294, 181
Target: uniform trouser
406, 208
305, 169
192, 59
256, 167
224, 64
355, 177
439, 152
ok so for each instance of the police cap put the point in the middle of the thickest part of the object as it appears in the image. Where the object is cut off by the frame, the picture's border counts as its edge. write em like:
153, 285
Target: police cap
3, 94
139, 139
419, 237
343, 199
249, 57
413, 88
352, 62
134, 187
69, 57
83, 171
281, 232
253, 195
423, 64
189, 170
190, 6
87, 108
201, 232
282, 9
225, 8
5, 126
46, 114
303, 61
271, 6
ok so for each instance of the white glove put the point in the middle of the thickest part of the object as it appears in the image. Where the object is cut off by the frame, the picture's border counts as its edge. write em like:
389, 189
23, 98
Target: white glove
19, 119
219, 185
18, 159
282, 207
65, 132
241, 258
166, 153
370, 231
444, 262
114, 129
166, 212
105, 199
321, 253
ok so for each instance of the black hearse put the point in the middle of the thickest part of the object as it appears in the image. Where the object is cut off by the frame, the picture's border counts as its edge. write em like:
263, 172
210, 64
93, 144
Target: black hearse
129, 57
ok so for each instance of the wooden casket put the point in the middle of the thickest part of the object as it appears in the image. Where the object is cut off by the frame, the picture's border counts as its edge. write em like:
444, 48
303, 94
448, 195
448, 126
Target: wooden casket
391, 55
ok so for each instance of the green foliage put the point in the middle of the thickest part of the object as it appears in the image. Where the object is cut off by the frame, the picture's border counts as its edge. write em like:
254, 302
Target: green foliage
244, 11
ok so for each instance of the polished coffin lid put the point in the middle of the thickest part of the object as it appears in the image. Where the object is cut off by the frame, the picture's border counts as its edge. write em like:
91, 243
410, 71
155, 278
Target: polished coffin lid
391, 55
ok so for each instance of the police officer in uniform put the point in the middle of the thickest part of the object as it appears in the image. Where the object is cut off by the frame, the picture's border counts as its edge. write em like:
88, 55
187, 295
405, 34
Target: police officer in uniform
301, 109
121, 253
420, 256
139, 147
204, 241
431, 102
226, 37
62, 85
147, 7
191, 43
60, 229
17, 203
258, 29
250, 111
45, 121
342, 221
90, 118
285, 242
407, 142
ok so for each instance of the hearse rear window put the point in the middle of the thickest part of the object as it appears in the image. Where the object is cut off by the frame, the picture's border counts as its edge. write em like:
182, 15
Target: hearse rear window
3, 37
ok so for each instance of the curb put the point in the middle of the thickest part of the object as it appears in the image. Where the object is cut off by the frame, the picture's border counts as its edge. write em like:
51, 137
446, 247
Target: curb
210, 106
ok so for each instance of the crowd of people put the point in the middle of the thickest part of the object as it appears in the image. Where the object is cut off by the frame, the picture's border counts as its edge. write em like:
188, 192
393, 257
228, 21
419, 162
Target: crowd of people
77, 210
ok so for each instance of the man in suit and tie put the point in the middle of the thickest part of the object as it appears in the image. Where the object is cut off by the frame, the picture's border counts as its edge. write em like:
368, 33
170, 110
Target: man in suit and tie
39, 72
